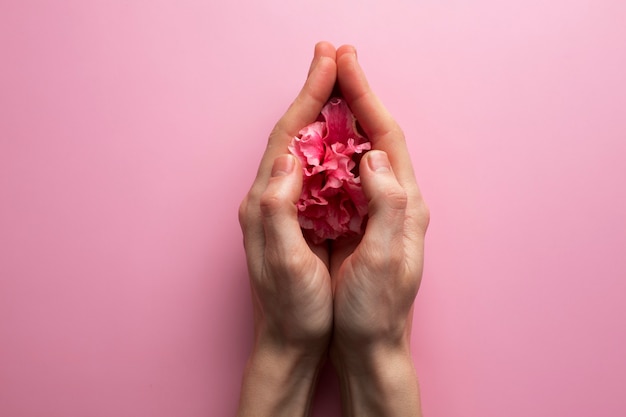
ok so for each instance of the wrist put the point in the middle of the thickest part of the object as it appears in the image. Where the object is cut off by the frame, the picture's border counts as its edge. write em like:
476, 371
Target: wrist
278, 382
270, 341
353, 349
379, 380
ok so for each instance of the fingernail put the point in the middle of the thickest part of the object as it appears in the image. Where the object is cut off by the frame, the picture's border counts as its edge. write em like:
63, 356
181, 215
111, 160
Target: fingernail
352, 50
283, 165
322, 58
378, 161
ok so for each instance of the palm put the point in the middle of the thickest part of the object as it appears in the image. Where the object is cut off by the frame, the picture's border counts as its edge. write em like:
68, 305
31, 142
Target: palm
299, 293
370, 287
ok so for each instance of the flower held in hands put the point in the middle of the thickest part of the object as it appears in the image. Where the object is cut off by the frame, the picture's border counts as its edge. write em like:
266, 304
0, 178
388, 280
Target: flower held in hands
332, 203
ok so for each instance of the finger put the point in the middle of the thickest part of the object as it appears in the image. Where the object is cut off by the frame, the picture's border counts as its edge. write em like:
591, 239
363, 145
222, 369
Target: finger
380, 127
377, 121
303, 111
314, 94
278, 206
387, 203
322, 48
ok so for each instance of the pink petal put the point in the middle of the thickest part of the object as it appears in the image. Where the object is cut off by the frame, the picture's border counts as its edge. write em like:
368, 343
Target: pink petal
332, 203
340, 121
310, 145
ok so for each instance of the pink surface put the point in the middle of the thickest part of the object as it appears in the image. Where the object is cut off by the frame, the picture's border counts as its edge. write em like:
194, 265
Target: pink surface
129, 132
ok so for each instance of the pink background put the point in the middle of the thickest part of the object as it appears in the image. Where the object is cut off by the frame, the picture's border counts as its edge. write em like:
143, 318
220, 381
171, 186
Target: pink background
130, 131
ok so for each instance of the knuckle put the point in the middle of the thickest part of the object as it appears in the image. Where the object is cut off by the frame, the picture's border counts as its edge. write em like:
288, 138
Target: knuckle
243, 212
248, 212
271, 203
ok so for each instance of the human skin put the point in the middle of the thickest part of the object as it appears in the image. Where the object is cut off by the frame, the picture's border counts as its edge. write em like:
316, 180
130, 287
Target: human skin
351, 299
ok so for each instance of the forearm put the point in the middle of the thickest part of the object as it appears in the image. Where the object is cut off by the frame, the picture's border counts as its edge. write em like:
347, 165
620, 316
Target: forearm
278, 384
381, 382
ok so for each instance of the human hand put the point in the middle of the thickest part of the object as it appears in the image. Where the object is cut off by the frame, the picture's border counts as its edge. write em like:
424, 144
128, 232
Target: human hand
290, 282
375, 279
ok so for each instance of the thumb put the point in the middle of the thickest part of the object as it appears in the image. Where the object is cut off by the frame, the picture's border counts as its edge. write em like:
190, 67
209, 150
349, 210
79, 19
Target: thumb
278, 204
387, 201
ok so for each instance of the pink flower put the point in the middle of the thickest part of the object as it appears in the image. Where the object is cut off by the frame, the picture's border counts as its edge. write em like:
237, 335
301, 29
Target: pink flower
332, 203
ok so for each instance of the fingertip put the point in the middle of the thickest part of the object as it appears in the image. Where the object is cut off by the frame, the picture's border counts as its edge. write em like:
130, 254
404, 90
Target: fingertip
325, 48
368, 109
348, 50
326, 69
309, 103
319, 85
350, 75
347, 62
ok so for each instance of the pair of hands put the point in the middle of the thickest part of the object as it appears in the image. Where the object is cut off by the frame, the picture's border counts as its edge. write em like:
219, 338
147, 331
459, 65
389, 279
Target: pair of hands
350, 297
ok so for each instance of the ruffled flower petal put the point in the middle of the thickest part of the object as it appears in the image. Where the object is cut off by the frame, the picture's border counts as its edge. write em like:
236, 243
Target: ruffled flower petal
332, 203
